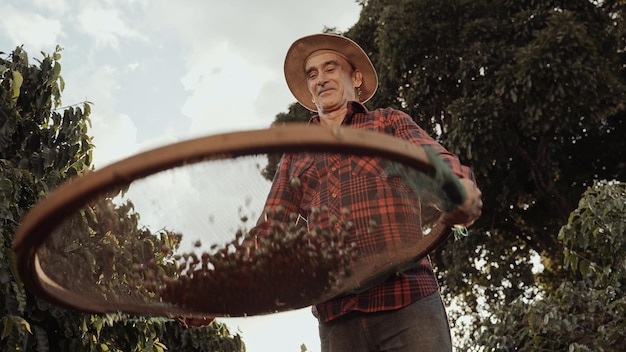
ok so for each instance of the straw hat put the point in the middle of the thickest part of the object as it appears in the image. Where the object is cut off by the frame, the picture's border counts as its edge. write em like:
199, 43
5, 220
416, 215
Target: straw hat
302, 48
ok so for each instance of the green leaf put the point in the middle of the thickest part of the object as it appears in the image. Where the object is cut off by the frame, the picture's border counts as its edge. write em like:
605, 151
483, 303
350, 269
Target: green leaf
16, 320
16, 84
584, 267
566, 256
159, 345
12, 259
97, 324
8, 326
56, 71
574, 261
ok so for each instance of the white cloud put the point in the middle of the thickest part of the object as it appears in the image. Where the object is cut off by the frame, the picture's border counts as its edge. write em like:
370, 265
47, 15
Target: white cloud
274, 97
31, 29
234, 51
261, 31
284, 332
99, 84
114, 132
222, 85
156, 142
115, 137
132, 66
106, 26
51, 6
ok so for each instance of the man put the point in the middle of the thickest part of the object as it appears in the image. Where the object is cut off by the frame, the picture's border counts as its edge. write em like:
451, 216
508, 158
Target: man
333, 76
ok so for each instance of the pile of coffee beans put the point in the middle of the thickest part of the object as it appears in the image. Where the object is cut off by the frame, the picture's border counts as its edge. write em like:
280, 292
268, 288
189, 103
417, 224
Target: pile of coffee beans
281, 267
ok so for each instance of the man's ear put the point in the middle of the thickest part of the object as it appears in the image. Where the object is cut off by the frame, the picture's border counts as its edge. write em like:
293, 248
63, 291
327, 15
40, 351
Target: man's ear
357, 78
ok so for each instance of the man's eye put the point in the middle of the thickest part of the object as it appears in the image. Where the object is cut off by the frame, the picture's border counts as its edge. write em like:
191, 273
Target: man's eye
312, 75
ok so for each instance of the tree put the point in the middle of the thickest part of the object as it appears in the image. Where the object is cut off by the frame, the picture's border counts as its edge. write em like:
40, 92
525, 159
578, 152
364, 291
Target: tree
530, 94
586, 311
42, 145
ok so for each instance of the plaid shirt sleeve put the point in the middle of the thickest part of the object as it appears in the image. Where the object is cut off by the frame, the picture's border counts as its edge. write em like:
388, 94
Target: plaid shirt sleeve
404, 127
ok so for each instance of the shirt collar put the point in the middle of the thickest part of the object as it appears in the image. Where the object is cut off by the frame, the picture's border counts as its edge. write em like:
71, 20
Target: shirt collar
354, 107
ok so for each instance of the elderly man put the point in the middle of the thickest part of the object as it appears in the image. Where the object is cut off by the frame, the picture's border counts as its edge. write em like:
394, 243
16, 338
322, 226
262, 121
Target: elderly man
332, 75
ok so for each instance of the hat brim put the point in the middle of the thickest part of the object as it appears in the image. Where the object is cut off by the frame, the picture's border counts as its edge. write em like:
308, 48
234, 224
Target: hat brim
302, 48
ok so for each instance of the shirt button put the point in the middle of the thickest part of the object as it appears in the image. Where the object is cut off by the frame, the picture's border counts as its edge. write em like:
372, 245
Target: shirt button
334, 195
333, 169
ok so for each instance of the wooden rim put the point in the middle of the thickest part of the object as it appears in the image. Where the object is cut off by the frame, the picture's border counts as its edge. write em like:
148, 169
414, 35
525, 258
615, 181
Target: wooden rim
45, 216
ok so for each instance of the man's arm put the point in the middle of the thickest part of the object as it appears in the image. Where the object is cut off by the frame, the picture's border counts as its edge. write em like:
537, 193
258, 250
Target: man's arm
470, 210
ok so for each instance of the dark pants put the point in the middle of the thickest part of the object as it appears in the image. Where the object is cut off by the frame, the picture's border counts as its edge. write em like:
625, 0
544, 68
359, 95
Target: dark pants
421, 326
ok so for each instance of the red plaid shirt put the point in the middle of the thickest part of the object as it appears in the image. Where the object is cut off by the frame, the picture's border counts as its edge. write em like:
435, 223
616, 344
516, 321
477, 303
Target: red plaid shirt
341, 181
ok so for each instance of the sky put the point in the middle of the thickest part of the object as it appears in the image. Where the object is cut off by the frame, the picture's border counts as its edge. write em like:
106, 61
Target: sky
161, 71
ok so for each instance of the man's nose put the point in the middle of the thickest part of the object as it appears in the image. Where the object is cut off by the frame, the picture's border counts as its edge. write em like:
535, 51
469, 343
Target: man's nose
321, 79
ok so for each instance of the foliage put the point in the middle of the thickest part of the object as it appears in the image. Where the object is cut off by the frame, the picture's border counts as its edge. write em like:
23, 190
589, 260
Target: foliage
42, 145
530, 94
102, 250
197, 339
587, 311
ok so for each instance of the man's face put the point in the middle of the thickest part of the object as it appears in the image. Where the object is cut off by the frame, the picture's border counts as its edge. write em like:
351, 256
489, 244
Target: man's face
331, 81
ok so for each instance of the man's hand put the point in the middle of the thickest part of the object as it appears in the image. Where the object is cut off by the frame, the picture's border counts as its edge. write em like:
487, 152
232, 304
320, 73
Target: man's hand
468, 212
